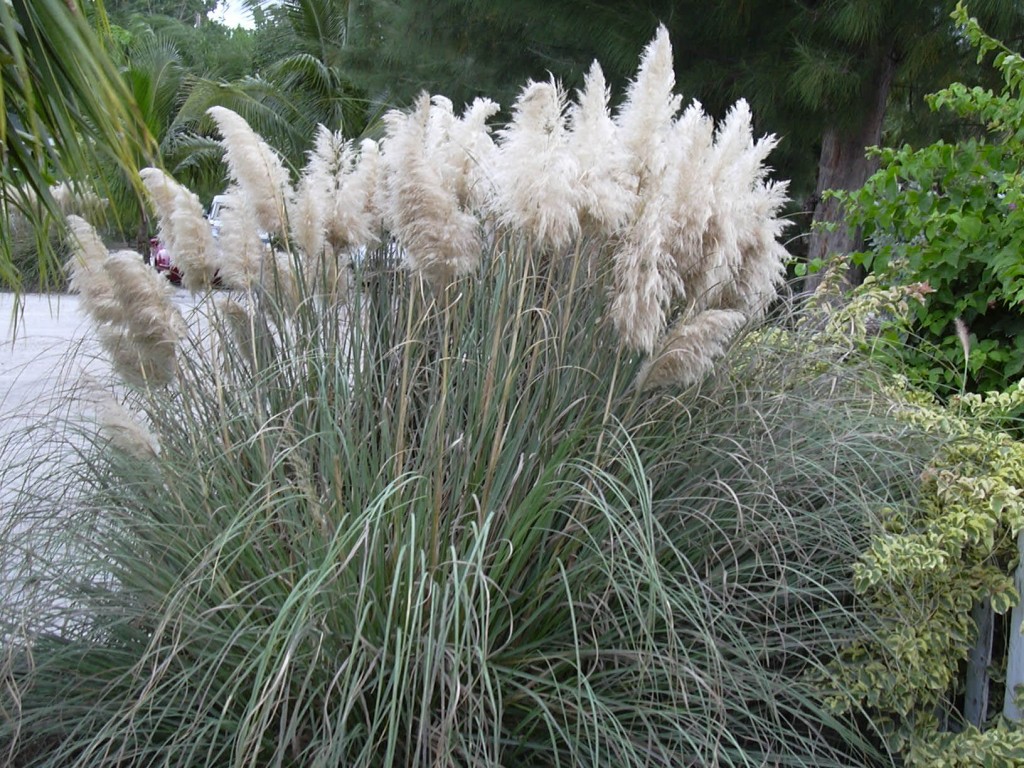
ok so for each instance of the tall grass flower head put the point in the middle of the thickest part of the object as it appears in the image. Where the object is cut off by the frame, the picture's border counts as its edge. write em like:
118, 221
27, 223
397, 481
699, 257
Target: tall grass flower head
183, 229
334, 201
536, 175
130, 304
440, 236
607, 184
256, 168
472, 154
743, 264
645, 278
242, 254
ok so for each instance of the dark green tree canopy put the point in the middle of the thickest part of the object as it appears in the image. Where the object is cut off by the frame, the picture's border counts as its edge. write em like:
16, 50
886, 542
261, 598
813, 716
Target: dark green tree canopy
183, 10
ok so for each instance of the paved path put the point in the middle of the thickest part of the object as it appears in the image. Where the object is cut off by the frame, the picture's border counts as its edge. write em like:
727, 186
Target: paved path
46, 351
37, 360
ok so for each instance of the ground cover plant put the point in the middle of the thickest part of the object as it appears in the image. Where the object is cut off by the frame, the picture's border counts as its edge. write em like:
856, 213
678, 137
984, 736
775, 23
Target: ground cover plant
474, 464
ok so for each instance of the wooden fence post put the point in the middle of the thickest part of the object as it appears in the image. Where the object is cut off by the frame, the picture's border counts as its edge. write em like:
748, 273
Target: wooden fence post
1015, 646
976, 693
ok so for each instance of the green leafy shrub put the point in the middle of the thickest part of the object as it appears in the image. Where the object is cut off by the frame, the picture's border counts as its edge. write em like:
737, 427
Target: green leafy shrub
936, 569
951, 217
932, 563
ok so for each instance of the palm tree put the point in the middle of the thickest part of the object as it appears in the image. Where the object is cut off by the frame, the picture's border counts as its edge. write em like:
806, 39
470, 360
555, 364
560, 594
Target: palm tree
65, 107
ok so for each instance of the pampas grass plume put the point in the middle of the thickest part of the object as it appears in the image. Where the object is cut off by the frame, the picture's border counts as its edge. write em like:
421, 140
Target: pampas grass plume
88, 278
308, 211
472, 155
130, 304
690, 348
691, 200
256, 168
646, 280
125, 432
644, 284
352, 220
146, 338
646, 116
744, 264
606, 185
537, 176
183, 229
440, 238
242, 252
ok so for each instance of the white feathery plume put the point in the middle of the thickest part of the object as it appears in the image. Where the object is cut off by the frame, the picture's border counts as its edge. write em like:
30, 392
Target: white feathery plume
366, 182
645, 118
124, 431
691, 200
242, 252
88, 278
763, 264
137, 323
536, 177
469, 154
440, 119
64, 195
256, 168
689, 350
160, 188
308, 210
727, 177
607, 187
336, 201
184, 230
645, 282
437, 143
440, 238
352, 221
645, 277
71, 197
306, 216
145, 343
744, 264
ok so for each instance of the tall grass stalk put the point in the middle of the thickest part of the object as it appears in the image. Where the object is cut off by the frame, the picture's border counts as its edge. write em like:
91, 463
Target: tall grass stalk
443, 527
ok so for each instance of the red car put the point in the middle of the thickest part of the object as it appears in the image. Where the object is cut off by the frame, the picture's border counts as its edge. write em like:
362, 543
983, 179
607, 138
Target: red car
161, 259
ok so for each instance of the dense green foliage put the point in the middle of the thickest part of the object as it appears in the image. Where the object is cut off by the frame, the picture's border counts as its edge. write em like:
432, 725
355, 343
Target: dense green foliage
928, 680
950, 216
188, 11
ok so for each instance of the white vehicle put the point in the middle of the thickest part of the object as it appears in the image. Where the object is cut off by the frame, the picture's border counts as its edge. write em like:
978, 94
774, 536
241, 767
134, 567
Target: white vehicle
217, 206
214, 215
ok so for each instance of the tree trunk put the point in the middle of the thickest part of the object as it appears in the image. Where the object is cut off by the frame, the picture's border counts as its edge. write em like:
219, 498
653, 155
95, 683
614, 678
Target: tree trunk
845, 165
142, 238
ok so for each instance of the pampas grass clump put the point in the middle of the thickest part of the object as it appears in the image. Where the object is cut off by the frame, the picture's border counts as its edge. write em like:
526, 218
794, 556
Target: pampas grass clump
521, 501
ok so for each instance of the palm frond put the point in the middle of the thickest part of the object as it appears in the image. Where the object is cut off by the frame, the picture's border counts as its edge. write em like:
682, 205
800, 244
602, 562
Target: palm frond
64, 104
